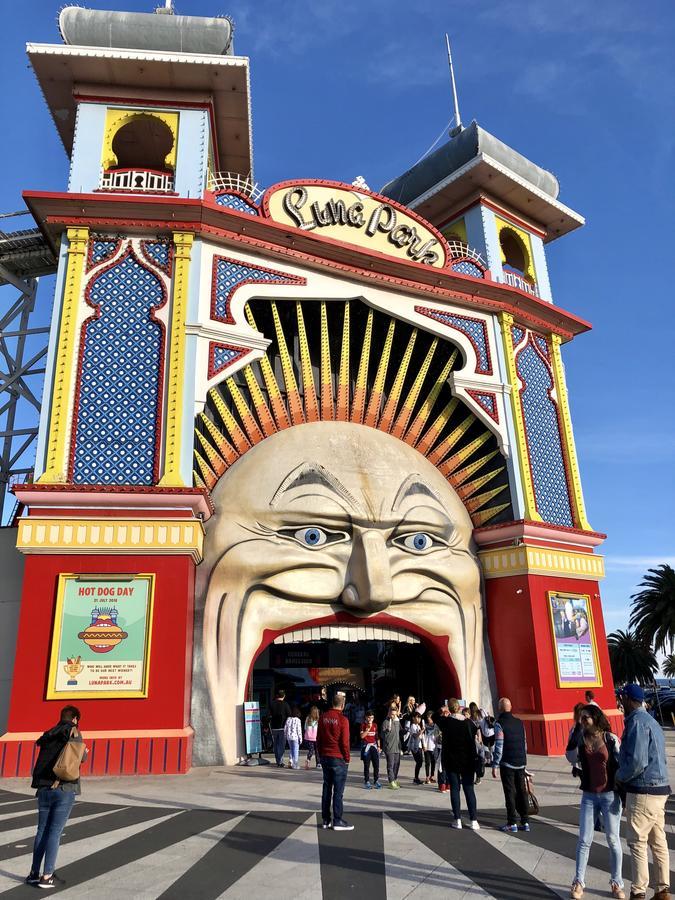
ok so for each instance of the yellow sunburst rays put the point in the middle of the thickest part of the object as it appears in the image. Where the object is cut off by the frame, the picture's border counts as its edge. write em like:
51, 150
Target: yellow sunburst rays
327, 409
273, 391
308, 389
292, 393
342, 406
373, 410
222, 441
359, 400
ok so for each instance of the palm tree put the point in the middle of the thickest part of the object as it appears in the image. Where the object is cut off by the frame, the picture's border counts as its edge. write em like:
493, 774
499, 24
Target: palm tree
653, 614
631, 659
668, 666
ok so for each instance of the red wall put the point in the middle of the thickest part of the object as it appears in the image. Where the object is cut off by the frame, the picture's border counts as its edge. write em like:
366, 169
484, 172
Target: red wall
521, 640
168, 702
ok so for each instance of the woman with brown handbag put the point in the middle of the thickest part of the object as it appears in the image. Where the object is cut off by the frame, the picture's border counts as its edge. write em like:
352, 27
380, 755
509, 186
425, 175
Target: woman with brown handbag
56, 779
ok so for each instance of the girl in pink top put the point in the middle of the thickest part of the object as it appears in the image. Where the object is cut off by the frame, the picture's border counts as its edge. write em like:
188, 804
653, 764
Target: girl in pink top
311, 725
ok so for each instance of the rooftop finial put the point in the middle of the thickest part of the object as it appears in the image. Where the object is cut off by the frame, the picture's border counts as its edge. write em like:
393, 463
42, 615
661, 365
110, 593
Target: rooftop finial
458, 119
167, 9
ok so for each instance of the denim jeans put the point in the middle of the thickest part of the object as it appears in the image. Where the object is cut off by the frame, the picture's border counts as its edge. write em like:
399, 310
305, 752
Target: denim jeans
466, 780
334, 780
294, 752
279, 739
54, 807
371, 754
610, 805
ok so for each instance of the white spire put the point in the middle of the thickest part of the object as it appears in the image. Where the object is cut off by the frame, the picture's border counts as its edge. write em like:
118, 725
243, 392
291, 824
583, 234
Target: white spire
458, 119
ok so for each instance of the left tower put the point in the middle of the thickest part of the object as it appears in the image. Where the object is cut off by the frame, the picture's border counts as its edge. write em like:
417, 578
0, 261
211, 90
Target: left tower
150, 108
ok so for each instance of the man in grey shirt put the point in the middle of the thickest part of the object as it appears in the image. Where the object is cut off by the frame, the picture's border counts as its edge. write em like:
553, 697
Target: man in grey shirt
391, 744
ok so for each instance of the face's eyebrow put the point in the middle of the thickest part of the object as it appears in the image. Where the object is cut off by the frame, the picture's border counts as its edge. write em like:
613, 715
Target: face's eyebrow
314, 475
414, 485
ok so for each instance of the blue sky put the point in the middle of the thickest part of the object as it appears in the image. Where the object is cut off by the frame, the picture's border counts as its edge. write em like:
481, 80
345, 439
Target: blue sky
586, 90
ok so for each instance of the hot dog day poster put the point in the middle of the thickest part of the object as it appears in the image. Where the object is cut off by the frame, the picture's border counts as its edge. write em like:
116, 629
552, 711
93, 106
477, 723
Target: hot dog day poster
101, 639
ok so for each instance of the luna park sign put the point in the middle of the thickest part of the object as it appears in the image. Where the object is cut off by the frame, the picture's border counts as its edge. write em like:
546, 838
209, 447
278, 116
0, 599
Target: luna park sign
356, 217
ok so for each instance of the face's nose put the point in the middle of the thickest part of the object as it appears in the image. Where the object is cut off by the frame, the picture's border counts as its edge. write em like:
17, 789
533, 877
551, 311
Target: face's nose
369, 586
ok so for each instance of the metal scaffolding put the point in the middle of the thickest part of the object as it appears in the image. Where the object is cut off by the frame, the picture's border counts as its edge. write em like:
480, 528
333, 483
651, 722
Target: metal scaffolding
24, 257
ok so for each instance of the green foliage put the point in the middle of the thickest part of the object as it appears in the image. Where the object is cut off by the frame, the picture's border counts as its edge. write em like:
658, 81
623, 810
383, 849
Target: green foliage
653, 614
632, 660
668, 666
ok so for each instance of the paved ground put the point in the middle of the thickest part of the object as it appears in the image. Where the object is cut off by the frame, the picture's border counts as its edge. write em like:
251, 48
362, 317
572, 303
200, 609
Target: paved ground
252, 833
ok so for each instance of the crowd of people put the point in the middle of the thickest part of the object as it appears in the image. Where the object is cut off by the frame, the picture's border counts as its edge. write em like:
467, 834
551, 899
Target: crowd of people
454, 745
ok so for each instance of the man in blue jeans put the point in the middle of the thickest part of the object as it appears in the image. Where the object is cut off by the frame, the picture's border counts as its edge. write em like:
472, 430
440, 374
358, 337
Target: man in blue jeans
332, 746
55, 798
279, 712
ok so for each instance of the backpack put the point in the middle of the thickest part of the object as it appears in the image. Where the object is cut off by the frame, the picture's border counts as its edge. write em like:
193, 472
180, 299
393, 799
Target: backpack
67, 765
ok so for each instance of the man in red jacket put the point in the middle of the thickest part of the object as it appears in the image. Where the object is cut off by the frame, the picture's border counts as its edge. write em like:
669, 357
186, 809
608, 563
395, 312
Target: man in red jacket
332, 746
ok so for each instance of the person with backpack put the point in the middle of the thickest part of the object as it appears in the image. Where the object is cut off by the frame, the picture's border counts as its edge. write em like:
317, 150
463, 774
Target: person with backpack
597, 760
56, 779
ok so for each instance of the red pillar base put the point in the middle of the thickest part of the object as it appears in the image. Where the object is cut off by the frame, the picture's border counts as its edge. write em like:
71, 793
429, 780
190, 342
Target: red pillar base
162, 752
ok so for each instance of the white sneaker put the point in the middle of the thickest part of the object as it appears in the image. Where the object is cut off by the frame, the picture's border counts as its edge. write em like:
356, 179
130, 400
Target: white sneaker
456, 823
474, 826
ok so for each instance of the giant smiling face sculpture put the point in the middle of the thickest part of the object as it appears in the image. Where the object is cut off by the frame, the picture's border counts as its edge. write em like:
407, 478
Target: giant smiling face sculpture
325, 518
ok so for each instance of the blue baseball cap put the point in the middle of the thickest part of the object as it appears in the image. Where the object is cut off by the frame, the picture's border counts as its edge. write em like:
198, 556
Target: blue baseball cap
633, 692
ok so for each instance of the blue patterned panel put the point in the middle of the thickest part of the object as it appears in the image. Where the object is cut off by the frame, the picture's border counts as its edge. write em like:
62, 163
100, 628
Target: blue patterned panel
158, 252
100, 250
487, 401
541, 343
467, 268
229, 275
517, 334
543, 438
474, 329
115, 438
237, 203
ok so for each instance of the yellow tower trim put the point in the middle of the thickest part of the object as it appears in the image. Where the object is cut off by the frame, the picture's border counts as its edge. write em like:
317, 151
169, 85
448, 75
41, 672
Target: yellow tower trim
174, 390
506, 321
56, 464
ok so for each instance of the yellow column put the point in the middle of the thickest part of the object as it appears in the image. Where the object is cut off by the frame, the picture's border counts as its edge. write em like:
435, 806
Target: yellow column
173, 430
567, 436
530, 511
56, 463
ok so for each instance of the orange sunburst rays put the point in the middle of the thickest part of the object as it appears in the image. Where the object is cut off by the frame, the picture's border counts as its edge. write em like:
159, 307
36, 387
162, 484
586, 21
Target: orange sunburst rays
397, 387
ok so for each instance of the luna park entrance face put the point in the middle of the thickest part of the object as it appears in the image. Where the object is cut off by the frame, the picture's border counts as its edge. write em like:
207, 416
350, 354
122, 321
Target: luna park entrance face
369, 671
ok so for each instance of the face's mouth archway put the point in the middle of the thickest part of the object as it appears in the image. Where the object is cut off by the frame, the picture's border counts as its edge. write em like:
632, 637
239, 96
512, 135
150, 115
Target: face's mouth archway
382, 628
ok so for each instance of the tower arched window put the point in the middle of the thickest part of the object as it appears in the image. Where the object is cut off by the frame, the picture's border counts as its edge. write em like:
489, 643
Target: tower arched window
516, 261
141, 151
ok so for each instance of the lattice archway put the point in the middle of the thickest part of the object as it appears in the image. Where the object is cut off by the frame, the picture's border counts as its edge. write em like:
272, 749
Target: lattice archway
344, 361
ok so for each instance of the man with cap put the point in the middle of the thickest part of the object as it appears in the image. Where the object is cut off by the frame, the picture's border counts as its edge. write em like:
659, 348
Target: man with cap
643, 774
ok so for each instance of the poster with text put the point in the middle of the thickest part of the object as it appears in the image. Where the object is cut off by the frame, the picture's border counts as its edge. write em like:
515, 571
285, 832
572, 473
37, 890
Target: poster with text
101, 639
574, 640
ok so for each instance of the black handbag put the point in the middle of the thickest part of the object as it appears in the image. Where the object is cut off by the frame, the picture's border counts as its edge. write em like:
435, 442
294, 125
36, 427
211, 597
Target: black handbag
532, 802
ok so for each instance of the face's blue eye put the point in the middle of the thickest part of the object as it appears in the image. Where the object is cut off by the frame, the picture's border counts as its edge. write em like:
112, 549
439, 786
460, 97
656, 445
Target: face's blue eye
311, 537
419, 542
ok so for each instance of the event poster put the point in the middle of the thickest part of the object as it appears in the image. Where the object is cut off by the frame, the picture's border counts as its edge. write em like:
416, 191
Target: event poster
252, 727
101, 639
574, 639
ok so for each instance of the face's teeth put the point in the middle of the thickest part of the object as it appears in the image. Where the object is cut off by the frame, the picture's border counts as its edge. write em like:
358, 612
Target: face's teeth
351, 633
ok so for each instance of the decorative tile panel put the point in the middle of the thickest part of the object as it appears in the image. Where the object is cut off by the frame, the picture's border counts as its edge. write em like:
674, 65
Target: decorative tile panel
158, 253
517, 334
118, 403
231, 274
466, 267
541, 344
237, 203
100, 249
488, 401
473, 329
542, 429
223, 355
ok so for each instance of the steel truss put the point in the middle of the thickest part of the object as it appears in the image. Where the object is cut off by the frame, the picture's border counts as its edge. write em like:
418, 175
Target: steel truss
24, 255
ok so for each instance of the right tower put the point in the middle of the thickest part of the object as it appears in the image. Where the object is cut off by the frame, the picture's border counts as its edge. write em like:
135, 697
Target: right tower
491, 202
